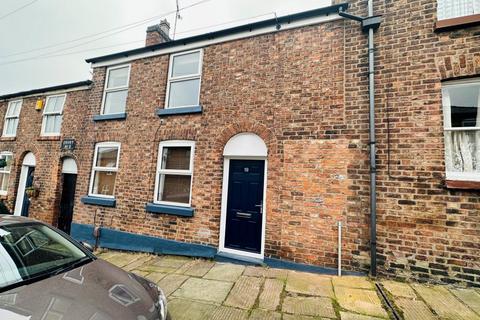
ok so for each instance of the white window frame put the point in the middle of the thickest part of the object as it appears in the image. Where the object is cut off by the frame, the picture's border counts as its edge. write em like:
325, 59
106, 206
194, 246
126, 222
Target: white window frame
4, 134
449, 3
2, 170
447, 127
120, 88
192, 76
95, 168
46, 114
174, 143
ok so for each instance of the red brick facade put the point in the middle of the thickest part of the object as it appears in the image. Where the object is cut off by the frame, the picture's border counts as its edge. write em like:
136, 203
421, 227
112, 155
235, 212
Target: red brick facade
305, 93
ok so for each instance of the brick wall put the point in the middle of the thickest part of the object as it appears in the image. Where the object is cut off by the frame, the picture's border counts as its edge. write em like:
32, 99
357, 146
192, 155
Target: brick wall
47, 151
286, 87
425, 231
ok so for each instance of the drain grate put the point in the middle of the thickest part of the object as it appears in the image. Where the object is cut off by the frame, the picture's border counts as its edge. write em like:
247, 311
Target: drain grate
387, 302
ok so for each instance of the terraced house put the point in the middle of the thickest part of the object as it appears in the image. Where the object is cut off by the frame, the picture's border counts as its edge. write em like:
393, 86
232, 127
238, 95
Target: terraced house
254, 142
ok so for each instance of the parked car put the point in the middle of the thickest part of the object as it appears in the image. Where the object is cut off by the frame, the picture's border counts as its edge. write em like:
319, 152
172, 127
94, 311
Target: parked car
45, 274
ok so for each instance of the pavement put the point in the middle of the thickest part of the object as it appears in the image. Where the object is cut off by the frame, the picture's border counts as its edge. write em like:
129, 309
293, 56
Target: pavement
205, 289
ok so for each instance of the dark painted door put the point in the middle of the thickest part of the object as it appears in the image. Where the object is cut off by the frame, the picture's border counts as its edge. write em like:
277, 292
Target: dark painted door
244, 205
28, 184
66, 202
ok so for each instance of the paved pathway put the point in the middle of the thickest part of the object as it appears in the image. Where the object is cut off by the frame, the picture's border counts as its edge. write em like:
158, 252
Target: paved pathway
203, 289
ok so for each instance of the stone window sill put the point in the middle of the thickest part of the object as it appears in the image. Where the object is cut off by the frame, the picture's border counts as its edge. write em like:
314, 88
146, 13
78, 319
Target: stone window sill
178, 111
8, 138
49, 138
464, 185
457, 23
99, 201
172, 210
106, 117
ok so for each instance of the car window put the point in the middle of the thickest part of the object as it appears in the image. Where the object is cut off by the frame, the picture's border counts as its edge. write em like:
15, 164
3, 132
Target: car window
31, 250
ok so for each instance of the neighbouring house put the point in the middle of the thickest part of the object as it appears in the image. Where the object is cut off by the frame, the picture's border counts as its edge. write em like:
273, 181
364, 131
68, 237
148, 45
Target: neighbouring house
253, 143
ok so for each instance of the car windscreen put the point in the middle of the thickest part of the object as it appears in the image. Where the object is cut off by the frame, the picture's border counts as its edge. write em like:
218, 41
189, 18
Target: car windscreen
32, 250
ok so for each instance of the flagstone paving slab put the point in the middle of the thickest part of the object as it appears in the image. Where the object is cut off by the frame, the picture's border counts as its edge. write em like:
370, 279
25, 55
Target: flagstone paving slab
123, 259
181, 309
310, 284
155, 276
309, 306
355, 316
270, 297
139, 272
258, 314
252, 271
399, 289
223, 313
174, 262
137, 263
244, 293
470, 297
199, 268
225, 272
297, 317
171, 283
203, 289
360, 301
414, 309
444, 303
154, 268
352, 282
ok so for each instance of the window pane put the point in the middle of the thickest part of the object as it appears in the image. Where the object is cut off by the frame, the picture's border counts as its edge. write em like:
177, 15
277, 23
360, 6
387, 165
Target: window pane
177, 158
185, 64
4, 181
115, 102
448, 9
54, 104
464, 105
104, 183
462, 150
117, 78
14, 109
184, 93
49, 124
8, 158
57, 123
107, 157
11, 126
174, 188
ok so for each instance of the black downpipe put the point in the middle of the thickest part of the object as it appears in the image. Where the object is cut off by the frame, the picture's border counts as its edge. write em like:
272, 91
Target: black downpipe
370, 24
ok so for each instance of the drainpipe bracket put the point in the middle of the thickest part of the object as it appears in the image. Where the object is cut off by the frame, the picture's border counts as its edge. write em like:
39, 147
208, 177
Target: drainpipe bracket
372, 22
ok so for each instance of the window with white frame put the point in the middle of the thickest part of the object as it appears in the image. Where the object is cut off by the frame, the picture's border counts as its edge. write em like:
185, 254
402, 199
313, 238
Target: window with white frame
461, 107
11, 118
5, 172
52, 115
174, 173
105, 168
184, 78
448, 9
116, 90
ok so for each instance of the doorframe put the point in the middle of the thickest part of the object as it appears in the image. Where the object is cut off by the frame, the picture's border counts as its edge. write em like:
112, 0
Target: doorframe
21, 190
223, 215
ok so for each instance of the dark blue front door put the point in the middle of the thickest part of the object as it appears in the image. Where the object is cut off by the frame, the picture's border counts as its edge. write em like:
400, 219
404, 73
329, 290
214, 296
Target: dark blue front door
244, 207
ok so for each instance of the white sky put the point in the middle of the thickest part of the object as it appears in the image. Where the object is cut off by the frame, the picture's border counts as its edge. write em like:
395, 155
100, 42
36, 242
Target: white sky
51, 22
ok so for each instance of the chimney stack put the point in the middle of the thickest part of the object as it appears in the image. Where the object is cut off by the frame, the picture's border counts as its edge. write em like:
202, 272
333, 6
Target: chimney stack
158, 33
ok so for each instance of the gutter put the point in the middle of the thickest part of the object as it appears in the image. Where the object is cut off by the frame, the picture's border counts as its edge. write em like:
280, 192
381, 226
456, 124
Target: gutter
46, 89
369, 25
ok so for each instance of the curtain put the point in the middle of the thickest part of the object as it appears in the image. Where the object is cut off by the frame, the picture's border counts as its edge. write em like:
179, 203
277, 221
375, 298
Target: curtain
462, 151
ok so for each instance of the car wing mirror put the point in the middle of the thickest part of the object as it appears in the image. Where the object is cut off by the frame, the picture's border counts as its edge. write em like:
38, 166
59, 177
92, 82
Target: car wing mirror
87, 245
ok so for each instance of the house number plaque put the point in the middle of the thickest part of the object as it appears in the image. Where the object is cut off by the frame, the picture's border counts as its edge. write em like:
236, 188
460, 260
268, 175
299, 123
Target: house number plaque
68, 145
